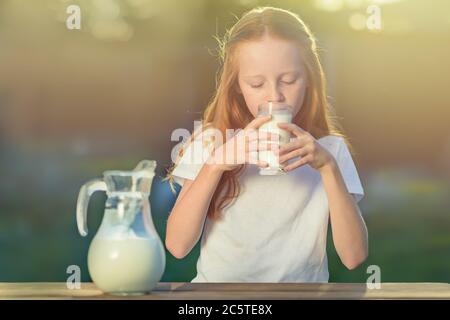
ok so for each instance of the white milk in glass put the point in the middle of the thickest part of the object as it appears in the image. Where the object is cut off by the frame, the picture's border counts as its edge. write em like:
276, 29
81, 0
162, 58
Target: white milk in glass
280, 113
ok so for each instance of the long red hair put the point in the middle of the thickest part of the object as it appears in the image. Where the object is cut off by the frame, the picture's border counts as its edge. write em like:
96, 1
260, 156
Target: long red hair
228, 110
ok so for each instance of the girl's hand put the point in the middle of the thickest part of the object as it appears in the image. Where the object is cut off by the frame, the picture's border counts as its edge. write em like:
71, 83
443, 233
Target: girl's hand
244, 147
304, 146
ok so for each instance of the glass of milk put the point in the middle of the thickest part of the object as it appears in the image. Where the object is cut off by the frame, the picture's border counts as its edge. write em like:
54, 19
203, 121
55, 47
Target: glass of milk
280, 112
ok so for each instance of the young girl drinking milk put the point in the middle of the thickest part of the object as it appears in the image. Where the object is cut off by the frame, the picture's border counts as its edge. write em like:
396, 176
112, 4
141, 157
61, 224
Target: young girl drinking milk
267, 228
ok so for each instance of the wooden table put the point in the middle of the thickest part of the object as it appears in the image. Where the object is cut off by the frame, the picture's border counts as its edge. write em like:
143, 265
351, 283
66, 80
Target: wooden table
226, 291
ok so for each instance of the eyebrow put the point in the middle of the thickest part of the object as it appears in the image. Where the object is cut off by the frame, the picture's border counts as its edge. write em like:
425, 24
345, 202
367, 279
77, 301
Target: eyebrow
294, 72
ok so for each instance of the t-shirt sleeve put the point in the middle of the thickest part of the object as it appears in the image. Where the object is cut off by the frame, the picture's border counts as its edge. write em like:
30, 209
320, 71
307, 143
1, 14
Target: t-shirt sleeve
195, 153
349, 171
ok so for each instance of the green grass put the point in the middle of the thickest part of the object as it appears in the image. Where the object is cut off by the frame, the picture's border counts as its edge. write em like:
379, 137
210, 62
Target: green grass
407, 245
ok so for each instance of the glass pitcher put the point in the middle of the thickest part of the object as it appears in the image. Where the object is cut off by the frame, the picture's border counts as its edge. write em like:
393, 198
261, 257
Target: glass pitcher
126, 256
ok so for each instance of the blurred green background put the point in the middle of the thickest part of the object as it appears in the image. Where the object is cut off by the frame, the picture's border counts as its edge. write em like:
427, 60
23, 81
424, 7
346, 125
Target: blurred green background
74, 103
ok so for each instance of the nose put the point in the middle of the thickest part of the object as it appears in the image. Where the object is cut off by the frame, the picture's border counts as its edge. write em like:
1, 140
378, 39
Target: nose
275, 94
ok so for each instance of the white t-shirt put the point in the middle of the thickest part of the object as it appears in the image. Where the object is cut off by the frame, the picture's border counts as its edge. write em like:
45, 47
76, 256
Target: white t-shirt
276, 230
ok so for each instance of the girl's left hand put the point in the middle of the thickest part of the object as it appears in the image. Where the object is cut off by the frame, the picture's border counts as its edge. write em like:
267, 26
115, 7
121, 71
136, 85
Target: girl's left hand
304, 146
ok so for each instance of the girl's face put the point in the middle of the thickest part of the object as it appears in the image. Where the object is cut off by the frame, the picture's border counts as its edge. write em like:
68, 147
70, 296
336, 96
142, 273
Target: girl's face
271, 69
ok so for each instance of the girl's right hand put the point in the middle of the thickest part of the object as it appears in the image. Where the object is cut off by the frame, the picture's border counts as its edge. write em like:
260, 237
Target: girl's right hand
245, 146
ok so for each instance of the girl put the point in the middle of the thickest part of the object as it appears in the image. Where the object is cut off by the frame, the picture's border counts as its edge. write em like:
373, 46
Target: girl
257, 228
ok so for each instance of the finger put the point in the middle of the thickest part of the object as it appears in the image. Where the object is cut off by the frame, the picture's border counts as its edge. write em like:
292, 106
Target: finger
297, 164
258, 121
291, 127
262, 164
264, 146
252, 158
251, 146
268, 136
255, 135
293, 154
290, 146
283, 164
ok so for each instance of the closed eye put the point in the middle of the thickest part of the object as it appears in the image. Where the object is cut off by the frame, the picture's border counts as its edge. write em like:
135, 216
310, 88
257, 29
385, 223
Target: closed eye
289, 82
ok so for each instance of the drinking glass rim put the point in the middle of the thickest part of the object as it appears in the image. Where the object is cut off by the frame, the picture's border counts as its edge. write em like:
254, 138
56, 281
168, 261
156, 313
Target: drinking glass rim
279, 106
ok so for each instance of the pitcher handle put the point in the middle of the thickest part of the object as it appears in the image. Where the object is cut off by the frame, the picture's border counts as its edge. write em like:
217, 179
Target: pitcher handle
85, 194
